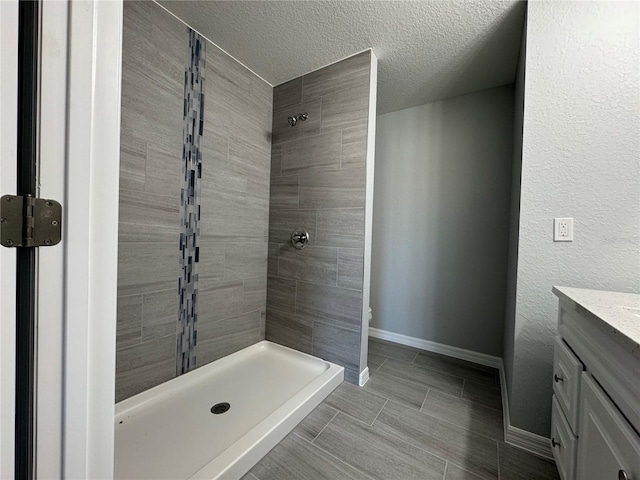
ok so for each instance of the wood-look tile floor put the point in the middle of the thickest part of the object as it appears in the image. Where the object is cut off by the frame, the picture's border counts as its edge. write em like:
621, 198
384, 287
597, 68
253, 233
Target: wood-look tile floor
420, 416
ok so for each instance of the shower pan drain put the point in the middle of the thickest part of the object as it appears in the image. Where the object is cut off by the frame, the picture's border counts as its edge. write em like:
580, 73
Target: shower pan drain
219, 408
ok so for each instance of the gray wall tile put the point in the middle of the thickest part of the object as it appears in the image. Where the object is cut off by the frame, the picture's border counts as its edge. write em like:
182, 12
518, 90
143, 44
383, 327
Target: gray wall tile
235, 198
221, 338
327, 199
148, 217
255, 293
316, 153
337, 345
245, 258
345, 109
250, 159
281, 294
164, 171
341, 227
160, 314
212, 257
349, 74
289, 330
282, 223
147, 267
333, 305
288, 93
284, 192
283, 131
129, 321
169, 37
350, 268
311, 264
276, 160
133, 161
215, 146
272, 259
354, 147
143, 366
333, 189
217, 301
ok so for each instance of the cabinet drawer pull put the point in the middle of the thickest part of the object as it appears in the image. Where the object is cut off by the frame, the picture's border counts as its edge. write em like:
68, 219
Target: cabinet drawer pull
622, 475
555, 443
557, 379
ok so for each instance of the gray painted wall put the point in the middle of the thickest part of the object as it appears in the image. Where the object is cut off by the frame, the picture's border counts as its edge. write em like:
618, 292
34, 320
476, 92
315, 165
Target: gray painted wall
318, 180
441, 219
234, 201
514, 216
580, 159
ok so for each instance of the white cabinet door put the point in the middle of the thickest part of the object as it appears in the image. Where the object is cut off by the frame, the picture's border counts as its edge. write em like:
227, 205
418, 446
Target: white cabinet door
563, 442
608, 448
567, 371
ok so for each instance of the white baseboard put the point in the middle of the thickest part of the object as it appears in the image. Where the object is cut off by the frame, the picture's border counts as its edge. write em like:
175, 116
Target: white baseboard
364, 377
455, 352
531, 442
515, 436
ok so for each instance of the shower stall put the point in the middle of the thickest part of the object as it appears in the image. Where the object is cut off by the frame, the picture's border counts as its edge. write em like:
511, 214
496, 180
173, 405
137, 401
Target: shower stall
243, 248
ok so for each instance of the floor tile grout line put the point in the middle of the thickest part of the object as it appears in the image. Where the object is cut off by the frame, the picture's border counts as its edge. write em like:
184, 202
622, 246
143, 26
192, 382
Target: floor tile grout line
437, 388
385, 404
408, 443
445, 358
413, 382
448, 422
469, 400
380, 366
331, 454
334, 416
425, 399
428, 369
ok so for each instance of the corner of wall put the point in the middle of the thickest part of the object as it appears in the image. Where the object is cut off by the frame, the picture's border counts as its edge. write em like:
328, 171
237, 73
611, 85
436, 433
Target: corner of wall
368, 214
514, 220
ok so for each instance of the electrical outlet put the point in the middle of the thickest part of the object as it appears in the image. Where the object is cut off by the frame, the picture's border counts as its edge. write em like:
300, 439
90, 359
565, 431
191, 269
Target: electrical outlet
563, 229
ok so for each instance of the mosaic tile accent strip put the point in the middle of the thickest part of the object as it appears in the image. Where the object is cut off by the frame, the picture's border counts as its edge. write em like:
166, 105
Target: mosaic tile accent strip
193, 116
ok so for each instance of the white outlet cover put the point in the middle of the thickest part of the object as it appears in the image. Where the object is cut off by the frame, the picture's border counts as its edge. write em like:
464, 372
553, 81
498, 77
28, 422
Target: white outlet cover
563, 229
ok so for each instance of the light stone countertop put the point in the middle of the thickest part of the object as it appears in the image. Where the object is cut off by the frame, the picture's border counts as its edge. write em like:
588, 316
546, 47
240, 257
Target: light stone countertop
616, 314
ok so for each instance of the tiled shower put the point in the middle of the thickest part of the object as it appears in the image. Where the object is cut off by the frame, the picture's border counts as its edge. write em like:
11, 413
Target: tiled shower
213, 182
318, 180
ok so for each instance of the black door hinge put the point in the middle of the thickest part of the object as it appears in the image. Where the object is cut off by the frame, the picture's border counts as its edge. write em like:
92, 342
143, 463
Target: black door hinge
29, 222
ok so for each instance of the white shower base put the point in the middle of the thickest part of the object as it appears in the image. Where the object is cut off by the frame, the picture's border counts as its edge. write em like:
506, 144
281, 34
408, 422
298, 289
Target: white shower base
170, 432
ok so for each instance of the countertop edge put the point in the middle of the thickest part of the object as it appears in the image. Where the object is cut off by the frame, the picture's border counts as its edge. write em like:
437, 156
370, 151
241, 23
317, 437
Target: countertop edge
630, 344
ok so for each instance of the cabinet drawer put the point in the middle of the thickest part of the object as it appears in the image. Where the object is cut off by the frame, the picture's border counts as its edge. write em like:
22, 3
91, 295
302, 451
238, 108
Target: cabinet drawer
608, 447
563, 442
566, 381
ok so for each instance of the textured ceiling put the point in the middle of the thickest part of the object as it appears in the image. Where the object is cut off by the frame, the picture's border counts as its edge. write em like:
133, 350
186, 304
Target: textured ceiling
427, 50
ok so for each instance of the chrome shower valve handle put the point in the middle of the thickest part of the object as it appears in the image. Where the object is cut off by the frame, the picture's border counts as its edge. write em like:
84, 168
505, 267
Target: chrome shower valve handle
300, 239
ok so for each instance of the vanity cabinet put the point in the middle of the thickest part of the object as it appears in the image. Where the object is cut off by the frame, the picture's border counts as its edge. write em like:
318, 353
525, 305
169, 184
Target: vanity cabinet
609, 447
596, 387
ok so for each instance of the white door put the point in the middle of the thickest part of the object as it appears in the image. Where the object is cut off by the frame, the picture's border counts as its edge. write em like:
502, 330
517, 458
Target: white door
8, 179
78, 131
